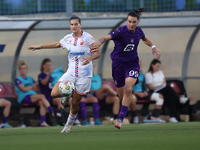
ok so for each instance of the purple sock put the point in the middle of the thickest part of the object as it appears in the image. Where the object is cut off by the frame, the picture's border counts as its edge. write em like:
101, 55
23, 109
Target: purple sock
5, 118
96, 110
42, 118
50, 109
83, 110
123, 112
76, 117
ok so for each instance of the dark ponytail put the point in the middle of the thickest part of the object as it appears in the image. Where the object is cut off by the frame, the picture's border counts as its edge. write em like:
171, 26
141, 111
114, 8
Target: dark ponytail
154, 61
136, 13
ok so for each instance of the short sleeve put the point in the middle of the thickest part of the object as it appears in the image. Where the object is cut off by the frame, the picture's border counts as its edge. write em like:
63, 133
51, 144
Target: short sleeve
41, 77
17, 82
62, 42
116, 34
142, 35
148, 78
33, 81
91, 40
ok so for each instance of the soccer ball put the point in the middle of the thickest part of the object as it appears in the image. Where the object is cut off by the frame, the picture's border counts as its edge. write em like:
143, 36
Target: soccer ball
66, 88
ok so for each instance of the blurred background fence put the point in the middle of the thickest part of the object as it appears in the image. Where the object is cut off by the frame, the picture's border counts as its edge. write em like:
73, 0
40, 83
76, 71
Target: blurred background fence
19, 7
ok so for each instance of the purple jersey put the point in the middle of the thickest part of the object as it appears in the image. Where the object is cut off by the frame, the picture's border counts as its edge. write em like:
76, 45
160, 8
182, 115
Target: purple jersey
45, 89
126, 43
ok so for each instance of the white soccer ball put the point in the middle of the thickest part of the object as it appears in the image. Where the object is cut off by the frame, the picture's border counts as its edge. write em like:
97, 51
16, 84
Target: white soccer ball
66, 88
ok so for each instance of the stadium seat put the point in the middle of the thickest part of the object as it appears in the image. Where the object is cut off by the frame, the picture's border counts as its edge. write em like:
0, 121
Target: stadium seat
186, 108
7, 91
178, 86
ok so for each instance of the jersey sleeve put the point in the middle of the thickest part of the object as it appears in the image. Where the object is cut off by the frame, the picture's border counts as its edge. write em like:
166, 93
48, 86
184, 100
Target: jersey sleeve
62, 42
148, 78
116, 34
142, 35
33, 81
91, 40
41, 77
17, 82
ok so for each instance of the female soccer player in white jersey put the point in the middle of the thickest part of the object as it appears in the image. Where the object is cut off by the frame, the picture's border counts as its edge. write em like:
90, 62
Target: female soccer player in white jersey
80, 67
125, 66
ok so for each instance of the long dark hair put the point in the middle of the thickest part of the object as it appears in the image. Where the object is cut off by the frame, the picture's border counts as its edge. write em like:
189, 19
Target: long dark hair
154, 61
136, 13
46, 60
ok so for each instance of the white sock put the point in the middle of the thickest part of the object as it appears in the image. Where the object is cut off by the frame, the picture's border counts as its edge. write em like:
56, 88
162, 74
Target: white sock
71, 119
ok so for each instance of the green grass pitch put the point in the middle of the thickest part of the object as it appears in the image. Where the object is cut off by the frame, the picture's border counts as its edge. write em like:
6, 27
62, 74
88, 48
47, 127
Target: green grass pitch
167, 136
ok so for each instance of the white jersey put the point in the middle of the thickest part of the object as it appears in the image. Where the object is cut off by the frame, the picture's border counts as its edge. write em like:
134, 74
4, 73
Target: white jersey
78, 47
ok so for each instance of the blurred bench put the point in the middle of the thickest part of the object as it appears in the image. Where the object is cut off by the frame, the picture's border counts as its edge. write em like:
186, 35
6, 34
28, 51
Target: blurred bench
7, 91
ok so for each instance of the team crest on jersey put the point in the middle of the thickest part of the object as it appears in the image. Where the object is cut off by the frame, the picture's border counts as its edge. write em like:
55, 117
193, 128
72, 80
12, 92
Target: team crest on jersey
132, 40
81, 42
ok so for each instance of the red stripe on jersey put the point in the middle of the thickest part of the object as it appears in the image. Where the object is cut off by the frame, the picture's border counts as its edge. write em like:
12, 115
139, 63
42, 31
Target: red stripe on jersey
61, 45
94, 50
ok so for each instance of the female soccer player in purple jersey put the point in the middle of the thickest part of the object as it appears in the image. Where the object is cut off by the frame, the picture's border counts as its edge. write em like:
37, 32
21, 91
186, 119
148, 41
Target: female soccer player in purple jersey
125, 66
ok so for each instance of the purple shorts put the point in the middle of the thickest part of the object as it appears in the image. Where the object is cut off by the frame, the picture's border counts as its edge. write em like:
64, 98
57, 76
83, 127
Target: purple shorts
101, 100
123, 70
27, 100
50, 99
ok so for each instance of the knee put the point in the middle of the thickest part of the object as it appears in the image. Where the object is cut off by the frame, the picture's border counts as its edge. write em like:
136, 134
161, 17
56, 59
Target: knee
158, 98
52, 93
128, 89
42, 96
105, 87
8, 104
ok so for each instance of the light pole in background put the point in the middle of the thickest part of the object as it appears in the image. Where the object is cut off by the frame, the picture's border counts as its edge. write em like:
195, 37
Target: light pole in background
69, 8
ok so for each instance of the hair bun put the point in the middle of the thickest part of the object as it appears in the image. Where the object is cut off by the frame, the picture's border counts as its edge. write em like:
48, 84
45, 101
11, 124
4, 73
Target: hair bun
138, 11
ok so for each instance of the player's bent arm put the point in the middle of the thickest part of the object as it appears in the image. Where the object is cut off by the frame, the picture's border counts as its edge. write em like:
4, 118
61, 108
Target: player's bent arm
147, 42
151, 87
45, 46
104, 39
96, 45
140, 94
25, 89
45, 81
153, 47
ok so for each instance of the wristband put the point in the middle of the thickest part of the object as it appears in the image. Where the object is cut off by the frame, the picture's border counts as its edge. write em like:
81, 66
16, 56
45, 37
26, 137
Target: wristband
153, 46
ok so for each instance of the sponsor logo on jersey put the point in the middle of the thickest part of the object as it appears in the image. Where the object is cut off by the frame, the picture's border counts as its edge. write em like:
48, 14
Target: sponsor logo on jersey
77, 53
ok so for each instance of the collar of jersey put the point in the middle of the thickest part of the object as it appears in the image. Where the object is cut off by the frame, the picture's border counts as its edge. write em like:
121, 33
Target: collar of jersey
129, 30
77, 36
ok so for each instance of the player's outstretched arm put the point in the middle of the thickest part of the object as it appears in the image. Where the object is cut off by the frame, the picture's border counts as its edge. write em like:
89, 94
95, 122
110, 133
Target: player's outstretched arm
154, 48
96, 45
45, 46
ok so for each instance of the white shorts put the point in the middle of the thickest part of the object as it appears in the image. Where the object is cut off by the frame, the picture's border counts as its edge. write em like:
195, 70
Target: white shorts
82, 85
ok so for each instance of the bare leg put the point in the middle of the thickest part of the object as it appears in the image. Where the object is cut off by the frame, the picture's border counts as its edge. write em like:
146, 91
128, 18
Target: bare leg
6, 104
42, 108
105, 89
115, 101
55, 92
75, 103
133, 103
57, 102
40, 97
127, 97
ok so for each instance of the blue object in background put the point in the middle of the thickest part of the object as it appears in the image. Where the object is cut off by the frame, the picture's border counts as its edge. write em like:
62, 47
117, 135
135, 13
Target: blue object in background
2, 48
